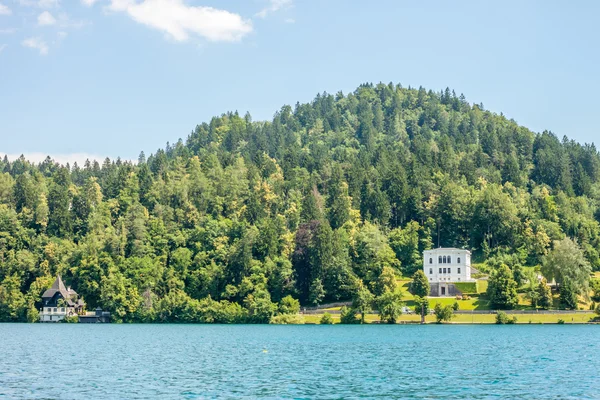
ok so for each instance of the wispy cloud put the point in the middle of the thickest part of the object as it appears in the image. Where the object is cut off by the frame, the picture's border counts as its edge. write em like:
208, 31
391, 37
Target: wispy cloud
7, 31
2, 47
4, 10
63, 159
274, 5
179, 21
36, 43
88, 3
46, 18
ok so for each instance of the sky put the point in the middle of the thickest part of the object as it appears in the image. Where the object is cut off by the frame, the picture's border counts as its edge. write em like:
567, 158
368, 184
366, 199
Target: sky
109, 78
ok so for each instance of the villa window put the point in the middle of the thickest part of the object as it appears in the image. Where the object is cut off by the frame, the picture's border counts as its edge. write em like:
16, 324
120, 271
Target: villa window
440, 259
444, 270
458, 260
430, 271
444, 258
459, 270
440, 270
449, 259
449, 271
431, 261
459, 279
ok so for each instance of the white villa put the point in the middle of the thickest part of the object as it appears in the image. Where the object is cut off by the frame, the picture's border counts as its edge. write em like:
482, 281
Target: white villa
445, 266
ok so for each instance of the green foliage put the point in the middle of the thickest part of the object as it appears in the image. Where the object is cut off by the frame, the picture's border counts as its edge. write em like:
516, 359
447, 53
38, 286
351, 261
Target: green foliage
421, 306
348, 316
568, 294
419, 285
544, 294
389, 306
289, 305
455, 306
287, 319
567, 262
503, 318
224, 224
502, 289
326, 319
362, 302
443, 313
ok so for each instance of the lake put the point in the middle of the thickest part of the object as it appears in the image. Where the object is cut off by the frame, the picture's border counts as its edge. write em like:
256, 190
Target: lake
71, 361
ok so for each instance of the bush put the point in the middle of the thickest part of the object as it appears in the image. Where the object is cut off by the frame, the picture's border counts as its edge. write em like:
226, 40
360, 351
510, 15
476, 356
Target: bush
287, 319
503, 318
455, 306
73, 319
326, 319
348, 316
561, 321
289, 305
443, 313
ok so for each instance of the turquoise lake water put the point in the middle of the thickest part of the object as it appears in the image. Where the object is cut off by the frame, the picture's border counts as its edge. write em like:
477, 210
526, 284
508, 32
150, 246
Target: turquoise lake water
316, 362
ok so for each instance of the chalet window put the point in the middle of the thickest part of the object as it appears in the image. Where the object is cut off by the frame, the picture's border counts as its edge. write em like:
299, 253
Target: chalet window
440, 259
55, 310
459, 270
430, 271
449, 270
458, 260
62, 309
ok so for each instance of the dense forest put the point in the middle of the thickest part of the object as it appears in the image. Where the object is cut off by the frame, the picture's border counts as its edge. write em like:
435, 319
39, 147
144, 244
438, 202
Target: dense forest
243, 218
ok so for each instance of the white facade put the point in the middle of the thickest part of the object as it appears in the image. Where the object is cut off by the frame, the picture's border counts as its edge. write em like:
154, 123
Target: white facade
445, 265
55, 314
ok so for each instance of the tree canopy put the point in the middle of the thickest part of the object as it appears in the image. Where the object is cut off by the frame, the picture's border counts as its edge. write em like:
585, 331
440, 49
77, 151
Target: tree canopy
225, 225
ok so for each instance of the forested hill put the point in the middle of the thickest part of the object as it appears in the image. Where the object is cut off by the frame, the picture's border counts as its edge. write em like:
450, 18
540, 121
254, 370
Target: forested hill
324, 200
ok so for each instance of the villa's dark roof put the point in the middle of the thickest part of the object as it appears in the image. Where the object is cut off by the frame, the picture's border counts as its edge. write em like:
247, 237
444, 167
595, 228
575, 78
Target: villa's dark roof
59, 287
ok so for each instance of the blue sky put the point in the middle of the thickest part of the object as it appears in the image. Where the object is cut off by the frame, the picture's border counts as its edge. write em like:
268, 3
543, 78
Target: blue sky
114, 77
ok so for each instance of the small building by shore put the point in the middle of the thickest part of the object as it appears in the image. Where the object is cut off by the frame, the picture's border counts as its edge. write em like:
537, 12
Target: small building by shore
60, 302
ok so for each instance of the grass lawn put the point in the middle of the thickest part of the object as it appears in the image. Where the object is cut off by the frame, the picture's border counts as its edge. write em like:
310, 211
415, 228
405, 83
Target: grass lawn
579, 318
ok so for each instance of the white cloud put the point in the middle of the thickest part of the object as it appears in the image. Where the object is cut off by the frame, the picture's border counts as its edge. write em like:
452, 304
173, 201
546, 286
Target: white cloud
274, 5
62, 35
290, 21
179, 20
88, 3
46, 18
7, 31
4, 10
36, 43
63, 159
2, 47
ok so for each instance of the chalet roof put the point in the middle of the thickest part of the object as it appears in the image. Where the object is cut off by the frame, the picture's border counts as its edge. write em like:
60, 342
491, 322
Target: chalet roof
59, 287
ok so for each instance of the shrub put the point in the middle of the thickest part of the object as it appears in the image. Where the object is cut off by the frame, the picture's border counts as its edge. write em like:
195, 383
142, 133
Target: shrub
443, 313
326, 319
73, 319
348, 316
287, 319
455, 306
503, 318
561, 321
